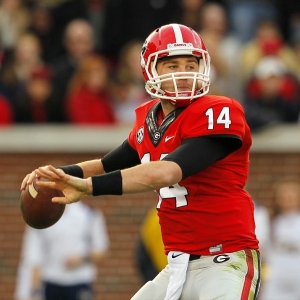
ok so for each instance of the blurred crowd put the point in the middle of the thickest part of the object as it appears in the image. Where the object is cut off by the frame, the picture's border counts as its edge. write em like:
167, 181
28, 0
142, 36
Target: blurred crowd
77, 61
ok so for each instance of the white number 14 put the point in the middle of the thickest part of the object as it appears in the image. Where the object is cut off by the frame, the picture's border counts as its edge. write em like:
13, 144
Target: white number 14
223, 118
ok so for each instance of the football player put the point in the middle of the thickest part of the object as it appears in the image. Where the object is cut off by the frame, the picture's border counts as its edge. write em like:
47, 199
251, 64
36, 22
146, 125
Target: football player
193, 150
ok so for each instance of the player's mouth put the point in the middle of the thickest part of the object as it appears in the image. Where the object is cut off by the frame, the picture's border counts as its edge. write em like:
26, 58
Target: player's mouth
184, 88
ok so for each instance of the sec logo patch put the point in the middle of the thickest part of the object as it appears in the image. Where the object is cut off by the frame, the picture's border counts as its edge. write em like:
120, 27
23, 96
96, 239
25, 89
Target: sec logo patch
140, 135
221, 258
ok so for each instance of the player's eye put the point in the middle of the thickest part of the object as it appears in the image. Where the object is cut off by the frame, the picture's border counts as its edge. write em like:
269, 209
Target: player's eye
192, 66
173, 66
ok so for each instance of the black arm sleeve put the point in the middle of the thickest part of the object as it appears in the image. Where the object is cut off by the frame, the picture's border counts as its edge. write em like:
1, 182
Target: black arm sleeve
196, 154
120, 158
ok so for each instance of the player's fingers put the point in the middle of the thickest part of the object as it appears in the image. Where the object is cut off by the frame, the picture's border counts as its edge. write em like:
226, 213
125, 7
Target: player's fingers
59, 172
24, 182
28, 180
46, 173
61, 200
50, 184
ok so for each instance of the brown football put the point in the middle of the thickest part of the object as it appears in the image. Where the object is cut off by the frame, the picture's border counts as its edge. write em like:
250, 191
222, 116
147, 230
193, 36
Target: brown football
37, 209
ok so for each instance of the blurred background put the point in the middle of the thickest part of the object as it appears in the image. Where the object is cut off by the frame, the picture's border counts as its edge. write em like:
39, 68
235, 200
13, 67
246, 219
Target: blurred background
70, 80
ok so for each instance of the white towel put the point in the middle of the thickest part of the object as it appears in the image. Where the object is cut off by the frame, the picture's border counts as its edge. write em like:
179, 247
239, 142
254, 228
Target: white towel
178, 263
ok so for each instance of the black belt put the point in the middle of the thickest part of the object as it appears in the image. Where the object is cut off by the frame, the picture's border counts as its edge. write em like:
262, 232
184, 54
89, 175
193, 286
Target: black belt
194, 257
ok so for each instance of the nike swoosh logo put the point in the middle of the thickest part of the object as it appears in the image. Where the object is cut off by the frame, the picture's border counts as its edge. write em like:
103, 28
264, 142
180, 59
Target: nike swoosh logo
174, 256
168, 138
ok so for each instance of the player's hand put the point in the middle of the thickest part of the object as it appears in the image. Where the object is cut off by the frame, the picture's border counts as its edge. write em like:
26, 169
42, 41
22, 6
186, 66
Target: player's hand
28, 179
73, 188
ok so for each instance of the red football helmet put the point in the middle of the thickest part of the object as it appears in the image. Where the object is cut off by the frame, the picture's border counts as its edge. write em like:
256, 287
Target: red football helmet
170, 40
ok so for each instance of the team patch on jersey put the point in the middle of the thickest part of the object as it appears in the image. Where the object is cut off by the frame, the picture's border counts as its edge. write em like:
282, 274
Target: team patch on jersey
221, 258
140, 135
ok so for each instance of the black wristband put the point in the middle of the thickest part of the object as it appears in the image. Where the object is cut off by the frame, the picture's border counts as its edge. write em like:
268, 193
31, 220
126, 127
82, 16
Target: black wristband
73, 170
107, 184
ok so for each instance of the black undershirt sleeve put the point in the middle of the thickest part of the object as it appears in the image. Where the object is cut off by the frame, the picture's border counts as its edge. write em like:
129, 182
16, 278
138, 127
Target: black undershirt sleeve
120, 158
196, 154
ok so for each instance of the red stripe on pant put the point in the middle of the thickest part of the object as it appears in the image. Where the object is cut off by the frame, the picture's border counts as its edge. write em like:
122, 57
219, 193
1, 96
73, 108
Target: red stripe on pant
249, 275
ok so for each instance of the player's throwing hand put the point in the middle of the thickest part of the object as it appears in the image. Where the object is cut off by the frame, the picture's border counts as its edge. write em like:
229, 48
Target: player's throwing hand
72, 187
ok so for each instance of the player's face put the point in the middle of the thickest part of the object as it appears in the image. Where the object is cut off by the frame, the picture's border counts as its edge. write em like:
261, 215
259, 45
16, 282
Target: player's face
177, 64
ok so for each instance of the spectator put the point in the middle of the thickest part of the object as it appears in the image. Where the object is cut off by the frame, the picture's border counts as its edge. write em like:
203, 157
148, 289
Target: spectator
127, 87
284, 252
26, 57
224, 48
267, 41
79, 42
189, 12
36, 104
95, 15
6, 112
59, 262
246, 14
67, 11
14, 20
263, 232
88, 101
272, 95
43, 26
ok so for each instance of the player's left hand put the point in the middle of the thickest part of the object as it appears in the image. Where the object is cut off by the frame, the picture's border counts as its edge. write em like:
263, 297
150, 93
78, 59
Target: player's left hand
73, 188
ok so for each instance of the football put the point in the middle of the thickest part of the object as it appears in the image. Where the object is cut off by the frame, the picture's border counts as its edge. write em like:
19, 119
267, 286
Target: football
37, 209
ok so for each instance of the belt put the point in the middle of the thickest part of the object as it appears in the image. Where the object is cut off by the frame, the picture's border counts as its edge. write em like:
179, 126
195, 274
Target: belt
194, 257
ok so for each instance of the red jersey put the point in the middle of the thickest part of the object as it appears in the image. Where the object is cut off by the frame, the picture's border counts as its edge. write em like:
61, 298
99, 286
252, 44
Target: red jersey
208, 212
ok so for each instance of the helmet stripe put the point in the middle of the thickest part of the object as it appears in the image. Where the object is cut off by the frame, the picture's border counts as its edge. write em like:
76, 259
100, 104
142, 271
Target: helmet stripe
178, 34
